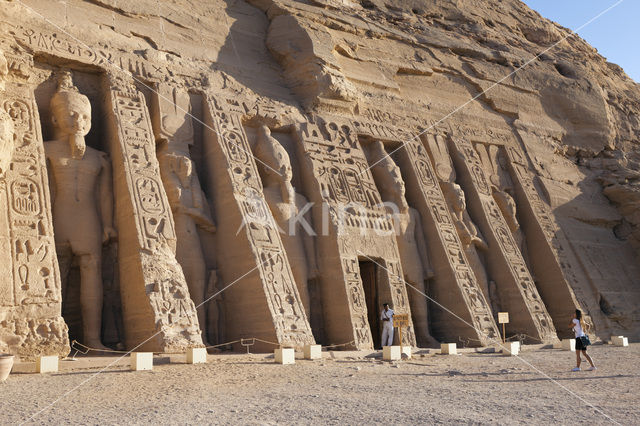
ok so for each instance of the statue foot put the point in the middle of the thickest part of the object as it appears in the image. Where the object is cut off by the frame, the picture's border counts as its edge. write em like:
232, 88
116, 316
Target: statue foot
96, 344
432, 343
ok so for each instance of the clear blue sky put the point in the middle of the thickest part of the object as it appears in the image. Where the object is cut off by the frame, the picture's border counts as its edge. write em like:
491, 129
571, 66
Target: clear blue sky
616, 34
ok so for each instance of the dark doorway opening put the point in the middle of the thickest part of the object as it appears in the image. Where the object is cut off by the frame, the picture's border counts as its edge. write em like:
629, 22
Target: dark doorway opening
368, 273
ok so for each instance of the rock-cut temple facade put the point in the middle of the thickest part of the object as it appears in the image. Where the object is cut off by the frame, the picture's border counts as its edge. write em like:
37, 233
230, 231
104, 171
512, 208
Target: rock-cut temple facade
179, 174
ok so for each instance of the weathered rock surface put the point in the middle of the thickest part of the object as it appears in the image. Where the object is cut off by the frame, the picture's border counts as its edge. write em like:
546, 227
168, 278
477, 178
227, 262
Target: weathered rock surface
525, 177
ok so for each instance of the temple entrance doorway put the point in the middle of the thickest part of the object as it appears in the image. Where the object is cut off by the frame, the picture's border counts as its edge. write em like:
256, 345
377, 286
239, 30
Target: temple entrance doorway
368, 273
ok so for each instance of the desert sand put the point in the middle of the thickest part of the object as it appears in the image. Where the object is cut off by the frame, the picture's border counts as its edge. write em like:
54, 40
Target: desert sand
342, 388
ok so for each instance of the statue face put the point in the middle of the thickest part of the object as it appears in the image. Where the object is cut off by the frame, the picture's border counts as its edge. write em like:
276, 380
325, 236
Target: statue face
455, 196
396, 178
185, 167
72, 116
281, 163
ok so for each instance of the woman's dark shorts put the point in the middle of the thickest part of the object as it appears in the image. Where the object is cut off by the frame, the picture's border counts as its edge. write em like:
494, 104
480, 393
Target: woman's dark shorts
582, 343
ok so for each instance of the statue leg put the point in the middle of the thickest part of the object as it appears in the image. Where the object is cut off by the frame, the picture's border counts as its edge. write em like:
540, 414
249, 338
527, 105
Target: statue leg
65, 257
91, 299
478, 270
419, 313
194, 269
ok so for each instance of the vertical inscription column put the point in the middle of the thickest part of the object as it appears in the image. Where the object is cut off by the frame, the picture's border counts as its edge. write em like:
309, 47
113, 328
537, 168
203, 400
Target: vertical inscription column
517, 291
155, 297
454, 285
263, 300
30, 290
553, 263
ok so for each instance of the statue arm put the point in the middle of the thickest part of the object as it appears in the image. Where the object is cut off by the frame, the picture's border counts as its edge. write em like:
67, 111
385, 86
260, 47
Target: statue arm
51, 180
476, 236
308, 240
201, 212
310, 249
106, 198
202, 215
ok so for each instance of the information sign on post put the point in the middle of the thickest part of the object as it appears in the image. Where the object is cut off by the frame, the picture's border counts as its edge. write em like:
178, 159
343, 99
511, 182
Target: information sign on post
503, 318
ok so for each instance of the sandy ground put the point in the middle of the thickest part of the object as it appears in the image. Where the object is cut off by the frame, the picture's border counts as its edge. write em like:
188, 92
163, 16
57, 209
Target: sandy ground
350, 388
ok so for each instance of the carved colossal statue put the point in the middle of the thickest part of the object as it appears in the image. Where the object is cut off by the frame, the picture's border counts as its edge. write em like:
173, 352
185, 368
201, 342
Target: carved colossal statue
472, 241
190, 211
285, 205
82, 200
412, 244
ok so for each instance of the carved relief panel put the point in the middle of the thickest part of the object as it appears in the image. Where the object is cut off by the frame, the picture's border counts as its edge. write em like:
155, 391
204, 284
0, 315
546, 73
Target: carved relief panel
30, 287
282, 297
155, 295
506, 261
453, 266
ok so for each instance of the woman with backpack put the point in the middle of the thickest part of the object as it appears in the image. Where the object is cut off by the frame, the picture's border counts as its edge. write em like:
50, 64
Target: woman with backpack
582, 340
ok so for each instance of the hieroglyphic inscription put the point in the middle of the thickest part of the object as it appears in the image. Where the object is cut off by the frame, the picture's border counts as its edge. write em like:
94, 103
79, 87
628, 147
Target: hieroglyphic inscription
30, 290
458, 265
35, 273
150, 206
291, 323
519, 279
57, 44
141, 191
399, 297
357, 304
341, 168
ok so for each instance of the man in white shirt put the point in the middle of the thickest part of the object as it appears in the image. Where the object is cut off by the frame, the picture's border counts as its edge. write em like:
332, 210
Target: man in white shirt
386, 316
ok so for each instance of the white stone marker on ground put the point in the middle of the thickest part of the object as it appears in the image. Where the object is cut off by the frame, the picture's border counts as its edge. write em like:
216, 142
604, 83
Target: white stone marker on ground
312, 352
141, 361
391, 353
196, 356
448, 349
47, 364
285, 356
406, 350
620, 340
511, 348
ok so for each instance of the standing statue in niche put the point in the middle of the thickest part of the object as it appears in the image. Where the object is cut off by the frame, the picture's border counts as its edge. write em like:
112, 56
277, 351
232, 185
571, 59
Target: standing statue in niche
285, 205
174, 134
412, 244
82, 200
471, 238
190, 211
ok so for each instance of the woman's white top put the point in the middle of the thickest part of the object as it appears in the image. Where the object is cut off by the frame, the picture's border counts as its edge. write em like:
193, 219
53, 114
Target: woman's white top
577, 328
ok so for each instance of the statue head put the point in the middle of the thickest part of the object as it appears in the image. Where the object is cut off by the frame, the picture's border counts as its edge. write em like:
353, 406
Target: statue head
273, 155
7, 137
388, 176
455, 196
275, 162
181, 165
4, 70
71, 114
